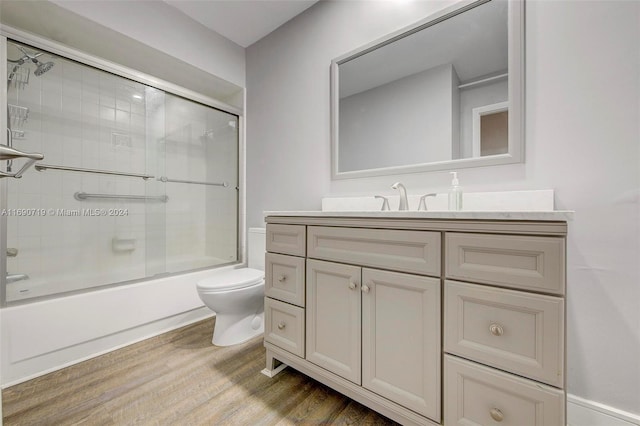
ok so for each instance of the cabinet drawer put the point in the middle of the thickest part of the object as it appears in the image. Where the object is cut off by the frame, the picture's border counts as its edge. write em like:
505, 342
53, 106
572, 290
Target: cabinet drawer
479, 395
512, 330
284, 326
286, 239
527, 262
285, 278
399, 250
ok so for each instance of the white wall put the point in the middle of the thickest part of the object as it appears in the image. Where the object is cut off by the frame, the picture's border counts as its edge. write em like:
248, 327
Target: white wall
165, 28
583, 70
402, 122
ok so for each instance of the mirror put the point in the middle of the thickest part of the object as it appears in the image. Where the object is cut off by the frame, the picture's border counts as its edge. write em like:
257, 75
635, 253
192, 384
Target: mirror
444, 93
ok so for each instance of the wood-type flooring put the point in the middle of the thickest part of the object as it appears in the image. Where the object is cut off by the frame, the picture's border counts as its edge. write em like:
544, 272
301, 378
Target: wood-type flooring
180, 378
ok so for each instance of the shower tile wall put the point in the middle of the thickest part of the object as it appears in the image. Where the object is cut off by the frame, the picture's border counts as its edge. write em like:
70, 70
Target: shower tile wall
82, 117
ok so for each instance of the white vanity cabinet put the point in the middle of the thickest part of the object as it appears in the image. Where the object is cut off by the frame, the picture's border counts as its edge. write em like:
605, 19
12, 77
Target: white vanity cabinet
401, 339
425, 321
334, 336
507, 312
378, 329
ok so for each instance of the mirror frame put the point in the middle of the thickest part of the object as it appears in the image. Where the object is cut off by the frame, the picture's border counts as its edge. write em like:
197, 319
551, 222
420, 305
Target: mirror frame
516, 85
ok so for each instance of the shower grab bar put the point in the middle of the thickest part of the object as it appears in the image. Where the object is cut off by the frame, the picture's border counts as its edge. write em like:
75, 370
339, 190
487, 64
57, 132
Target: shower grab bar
81, 196
42, 167
166, 179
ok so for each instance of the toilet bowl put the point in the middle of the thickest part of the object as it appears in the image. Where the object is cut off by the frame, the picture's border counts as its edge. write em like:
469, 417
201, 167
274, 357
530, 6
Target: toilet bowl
237, 296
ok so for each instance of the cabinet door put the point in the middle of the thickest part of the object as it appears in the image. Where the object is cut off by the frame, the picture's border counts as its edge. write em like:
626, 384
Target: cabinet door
333, 318
401, 339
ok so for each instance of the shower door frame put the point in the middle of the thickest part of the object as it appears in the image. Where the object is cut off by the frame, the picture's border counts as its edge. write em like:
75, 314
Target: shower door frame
3, 182
13, 34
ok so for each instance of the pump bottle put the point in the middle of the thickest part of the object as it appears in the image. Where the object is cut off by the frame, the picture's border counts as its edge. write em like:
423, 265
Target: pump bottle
455, 194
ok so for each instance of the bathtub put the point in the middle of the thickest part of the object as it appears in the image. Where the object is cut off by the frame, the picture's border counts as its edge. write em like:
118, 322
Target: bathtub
44, 336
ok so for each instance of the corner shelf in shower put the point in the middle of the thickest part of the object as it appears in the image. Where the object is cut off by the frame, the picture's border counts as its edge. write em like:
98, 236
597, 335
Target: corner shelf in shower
19, 77
18, 116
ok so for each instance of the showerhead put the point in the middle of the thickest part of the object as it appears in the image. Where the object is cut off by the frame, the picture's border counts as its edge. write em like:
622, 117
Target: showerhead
42, 67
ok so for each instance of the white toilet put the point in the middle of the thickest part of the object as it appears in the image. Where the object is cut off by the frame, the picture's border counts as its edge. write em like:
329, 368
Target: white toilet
237, 296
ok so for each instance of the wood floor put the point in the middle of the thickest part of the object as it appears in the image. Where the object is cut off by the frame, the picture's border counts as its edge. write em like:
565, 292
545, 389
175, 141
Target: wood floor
179, 378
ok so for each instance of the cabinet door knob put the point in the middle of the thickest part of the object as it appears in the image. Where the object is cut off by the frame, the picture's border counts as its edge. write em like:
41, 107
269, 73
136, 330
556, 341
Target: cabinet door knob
281, 325
352, 285
282, 277
496, 329
365, 288
496, 414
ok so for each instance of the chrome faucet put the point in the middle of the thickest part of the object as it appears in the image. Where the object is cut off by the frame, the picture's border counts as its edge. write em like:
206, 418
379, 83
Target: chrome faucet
404, 204
385, 203
423, 203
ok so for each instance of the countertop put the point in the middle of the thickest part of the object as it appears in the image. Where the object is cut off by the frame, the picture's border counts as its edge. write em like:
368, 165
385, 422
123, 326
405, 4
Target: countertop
557, 215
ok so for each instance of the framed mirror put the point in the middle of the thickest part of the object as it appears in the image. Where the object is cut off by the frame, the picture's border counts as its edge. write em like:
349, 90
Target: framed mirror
444, 93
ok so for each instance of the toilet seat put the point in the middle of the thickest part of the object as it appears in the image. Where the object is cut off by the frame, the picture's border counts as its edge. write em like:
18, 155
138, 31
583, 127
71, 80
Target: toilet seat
232, 279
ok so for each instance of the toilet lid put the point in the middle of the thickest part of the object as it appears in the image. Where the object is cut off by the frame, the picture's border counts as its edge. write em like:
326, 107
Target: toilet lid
231, 279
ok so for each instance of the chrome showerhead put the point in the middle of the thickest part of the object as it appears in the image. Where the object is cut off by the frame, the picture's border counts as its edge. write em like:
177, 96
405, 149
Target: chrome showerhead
42, 67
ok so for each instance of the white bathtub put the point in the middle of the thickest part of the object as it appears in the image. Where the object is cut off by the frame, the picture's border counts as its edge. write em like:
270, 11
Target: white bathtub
44, 336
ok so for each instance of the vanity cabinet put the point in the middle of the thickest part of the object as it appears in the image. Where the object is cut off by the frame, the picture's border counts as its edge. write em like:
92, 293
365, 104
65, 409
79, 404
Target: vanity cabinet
377, 329
425, 321
333, 317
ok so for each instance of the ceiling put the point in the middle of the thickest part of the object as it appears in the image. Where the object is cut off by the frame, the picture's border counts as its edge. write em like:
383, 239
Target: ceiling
242, 21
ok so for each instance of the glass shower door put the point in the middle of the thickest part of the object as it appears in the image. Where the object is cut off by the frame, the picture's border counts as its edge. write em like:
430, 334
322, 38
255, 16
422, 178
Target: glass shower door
135, 182
198, 164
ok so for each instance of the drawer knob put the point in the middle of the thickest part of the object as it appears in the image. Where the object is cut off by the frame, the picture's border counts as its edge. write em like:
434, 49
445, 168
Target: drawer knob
282, 277
496, 329
365, 288
496, 414
352, 285
281, 325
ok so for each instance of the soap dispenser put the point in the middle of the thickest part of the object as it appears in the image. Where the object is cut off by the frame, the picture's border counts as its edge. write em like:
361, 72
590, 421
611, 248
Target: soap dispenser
455, 194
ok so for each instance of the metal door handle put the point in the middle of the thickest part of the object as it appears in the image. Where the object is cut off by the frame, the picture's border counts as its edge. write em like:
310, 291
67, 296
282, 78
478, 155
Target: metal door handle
9, 154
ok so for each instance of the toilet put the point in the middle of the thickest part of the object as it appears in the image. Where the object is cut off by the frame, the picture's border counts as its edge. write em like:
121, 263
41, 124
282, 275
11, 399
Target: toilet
237, 296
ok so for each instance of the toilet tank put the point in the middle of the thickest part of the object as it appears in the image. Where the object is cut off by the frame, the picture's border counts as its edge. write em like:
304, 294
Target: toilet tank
256, 247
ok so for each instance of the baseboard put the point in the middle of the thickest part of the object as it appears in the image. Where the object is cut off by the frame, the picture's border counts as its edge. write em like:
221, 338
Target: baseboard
582, 412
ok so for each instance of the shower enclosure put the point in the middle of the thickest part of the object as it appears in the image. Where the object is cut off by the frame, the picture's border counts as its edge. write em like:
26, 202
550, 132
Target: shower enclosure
125, 181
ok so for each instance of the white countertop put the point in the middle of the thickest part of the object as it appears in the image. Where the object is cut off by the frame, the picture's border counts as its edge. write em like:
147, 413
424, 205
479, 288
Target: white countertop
557, 215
